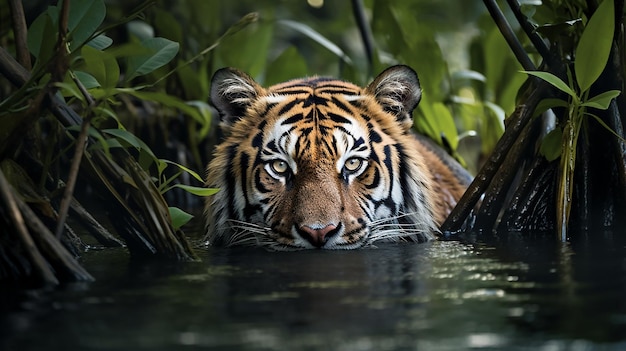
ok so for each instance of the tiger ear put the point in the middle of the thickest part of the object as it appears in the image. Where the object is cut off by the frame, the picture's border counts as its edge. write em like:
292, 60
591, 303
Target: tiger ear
232, 92
397, 90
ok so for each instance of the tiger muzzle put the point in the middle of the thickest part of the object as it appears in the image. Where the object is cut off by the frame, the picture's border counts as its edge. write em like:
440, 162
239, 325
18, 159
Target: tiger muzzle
318, 237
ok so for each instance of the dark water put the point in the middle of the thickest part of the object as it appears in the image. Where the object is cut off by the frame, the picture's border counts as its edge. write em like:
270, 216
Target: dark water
513, 294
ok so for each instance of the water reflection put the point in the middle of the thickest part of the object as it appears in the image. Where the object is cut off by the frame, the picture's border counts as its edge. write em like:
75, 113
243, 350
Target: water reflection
511, 293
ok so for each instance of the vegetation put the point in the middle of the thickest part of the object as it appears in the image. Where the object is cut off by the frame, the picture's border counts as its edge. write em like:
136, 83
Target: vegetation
571, 159
104, 103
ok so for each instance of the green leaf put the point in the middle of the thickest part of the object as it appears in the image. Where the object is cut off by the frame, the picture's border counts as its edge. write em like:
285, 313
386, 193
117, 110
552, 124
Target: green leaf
188, 170
605, 126
162, 51
87, 80
437, 121
100, 42
594, 46
70, 89
469, 75
130, 139
601, 101
42, 35
317, 37
554, 80
551, 145
204, 111
199, 191
546, 104
167, 100
165, 22
245, 46
288, 65
85, 18
102, 66
179, 217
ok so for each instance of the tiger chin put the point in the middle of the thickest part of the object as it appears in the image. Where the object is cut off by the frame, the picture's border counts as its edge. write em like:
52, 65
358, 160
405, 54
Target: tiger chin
322, 163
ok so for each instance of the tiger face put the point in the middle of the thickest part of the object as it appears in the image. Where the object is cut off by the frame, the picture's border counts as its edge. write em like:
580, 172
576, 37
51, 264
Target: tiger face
322, 163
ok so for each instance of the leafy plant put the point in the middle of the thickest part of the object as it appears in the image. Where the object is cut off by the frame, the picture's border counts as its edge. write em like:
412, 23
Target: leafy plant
95, 66
592, 54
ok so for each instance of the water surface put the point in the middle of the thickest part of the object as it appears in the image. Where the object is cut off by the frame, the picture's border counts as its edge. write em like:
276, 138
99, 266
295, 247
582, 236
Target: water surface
514, 294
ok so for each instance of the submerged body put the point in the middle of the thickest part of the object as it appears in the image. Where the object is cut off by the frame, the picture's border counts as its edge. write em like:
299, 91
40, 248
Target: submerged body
323, 163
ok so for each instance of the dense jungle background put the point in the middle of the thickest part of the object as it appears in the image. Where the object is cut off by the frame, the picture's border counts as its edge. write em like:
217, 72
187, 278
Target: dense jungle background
104, 112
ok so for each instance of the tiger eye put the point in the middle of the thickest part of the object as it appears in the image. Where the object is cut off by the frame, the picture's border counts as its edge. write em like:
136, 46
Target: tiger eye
353, 164
279, 166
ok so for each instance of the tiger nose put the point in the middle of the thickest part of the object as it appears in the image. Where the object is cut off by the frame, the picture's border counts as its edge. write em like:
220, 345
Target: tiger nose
318, 236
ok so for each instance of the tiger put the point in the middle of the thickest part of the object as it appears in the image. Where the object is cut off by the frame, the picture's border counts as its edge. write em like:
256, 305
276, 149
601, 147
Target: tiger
321, 163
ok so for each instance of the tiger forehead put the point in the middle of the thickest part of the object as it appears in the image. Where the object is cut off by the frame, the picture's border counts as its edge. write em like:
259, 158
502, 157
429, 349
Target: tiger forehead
316, 85
314, 118
322, 101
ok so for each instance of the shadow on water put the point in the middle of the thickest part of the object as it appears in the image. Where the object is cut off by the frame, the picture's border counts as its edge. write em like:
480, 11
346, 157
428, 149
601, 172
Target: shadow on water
512, 294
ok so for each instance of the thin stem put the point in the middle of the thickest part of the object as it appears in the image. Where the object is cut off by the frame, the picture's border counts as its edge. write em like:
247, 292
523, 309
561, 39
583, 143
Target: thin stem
528, 28
81, 141
20, 32
364, 29
509, 35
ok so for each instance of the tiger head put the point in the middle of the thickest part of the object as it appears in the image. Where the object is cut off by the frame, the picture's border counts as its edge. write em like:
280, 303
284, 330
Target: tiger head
318, 163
